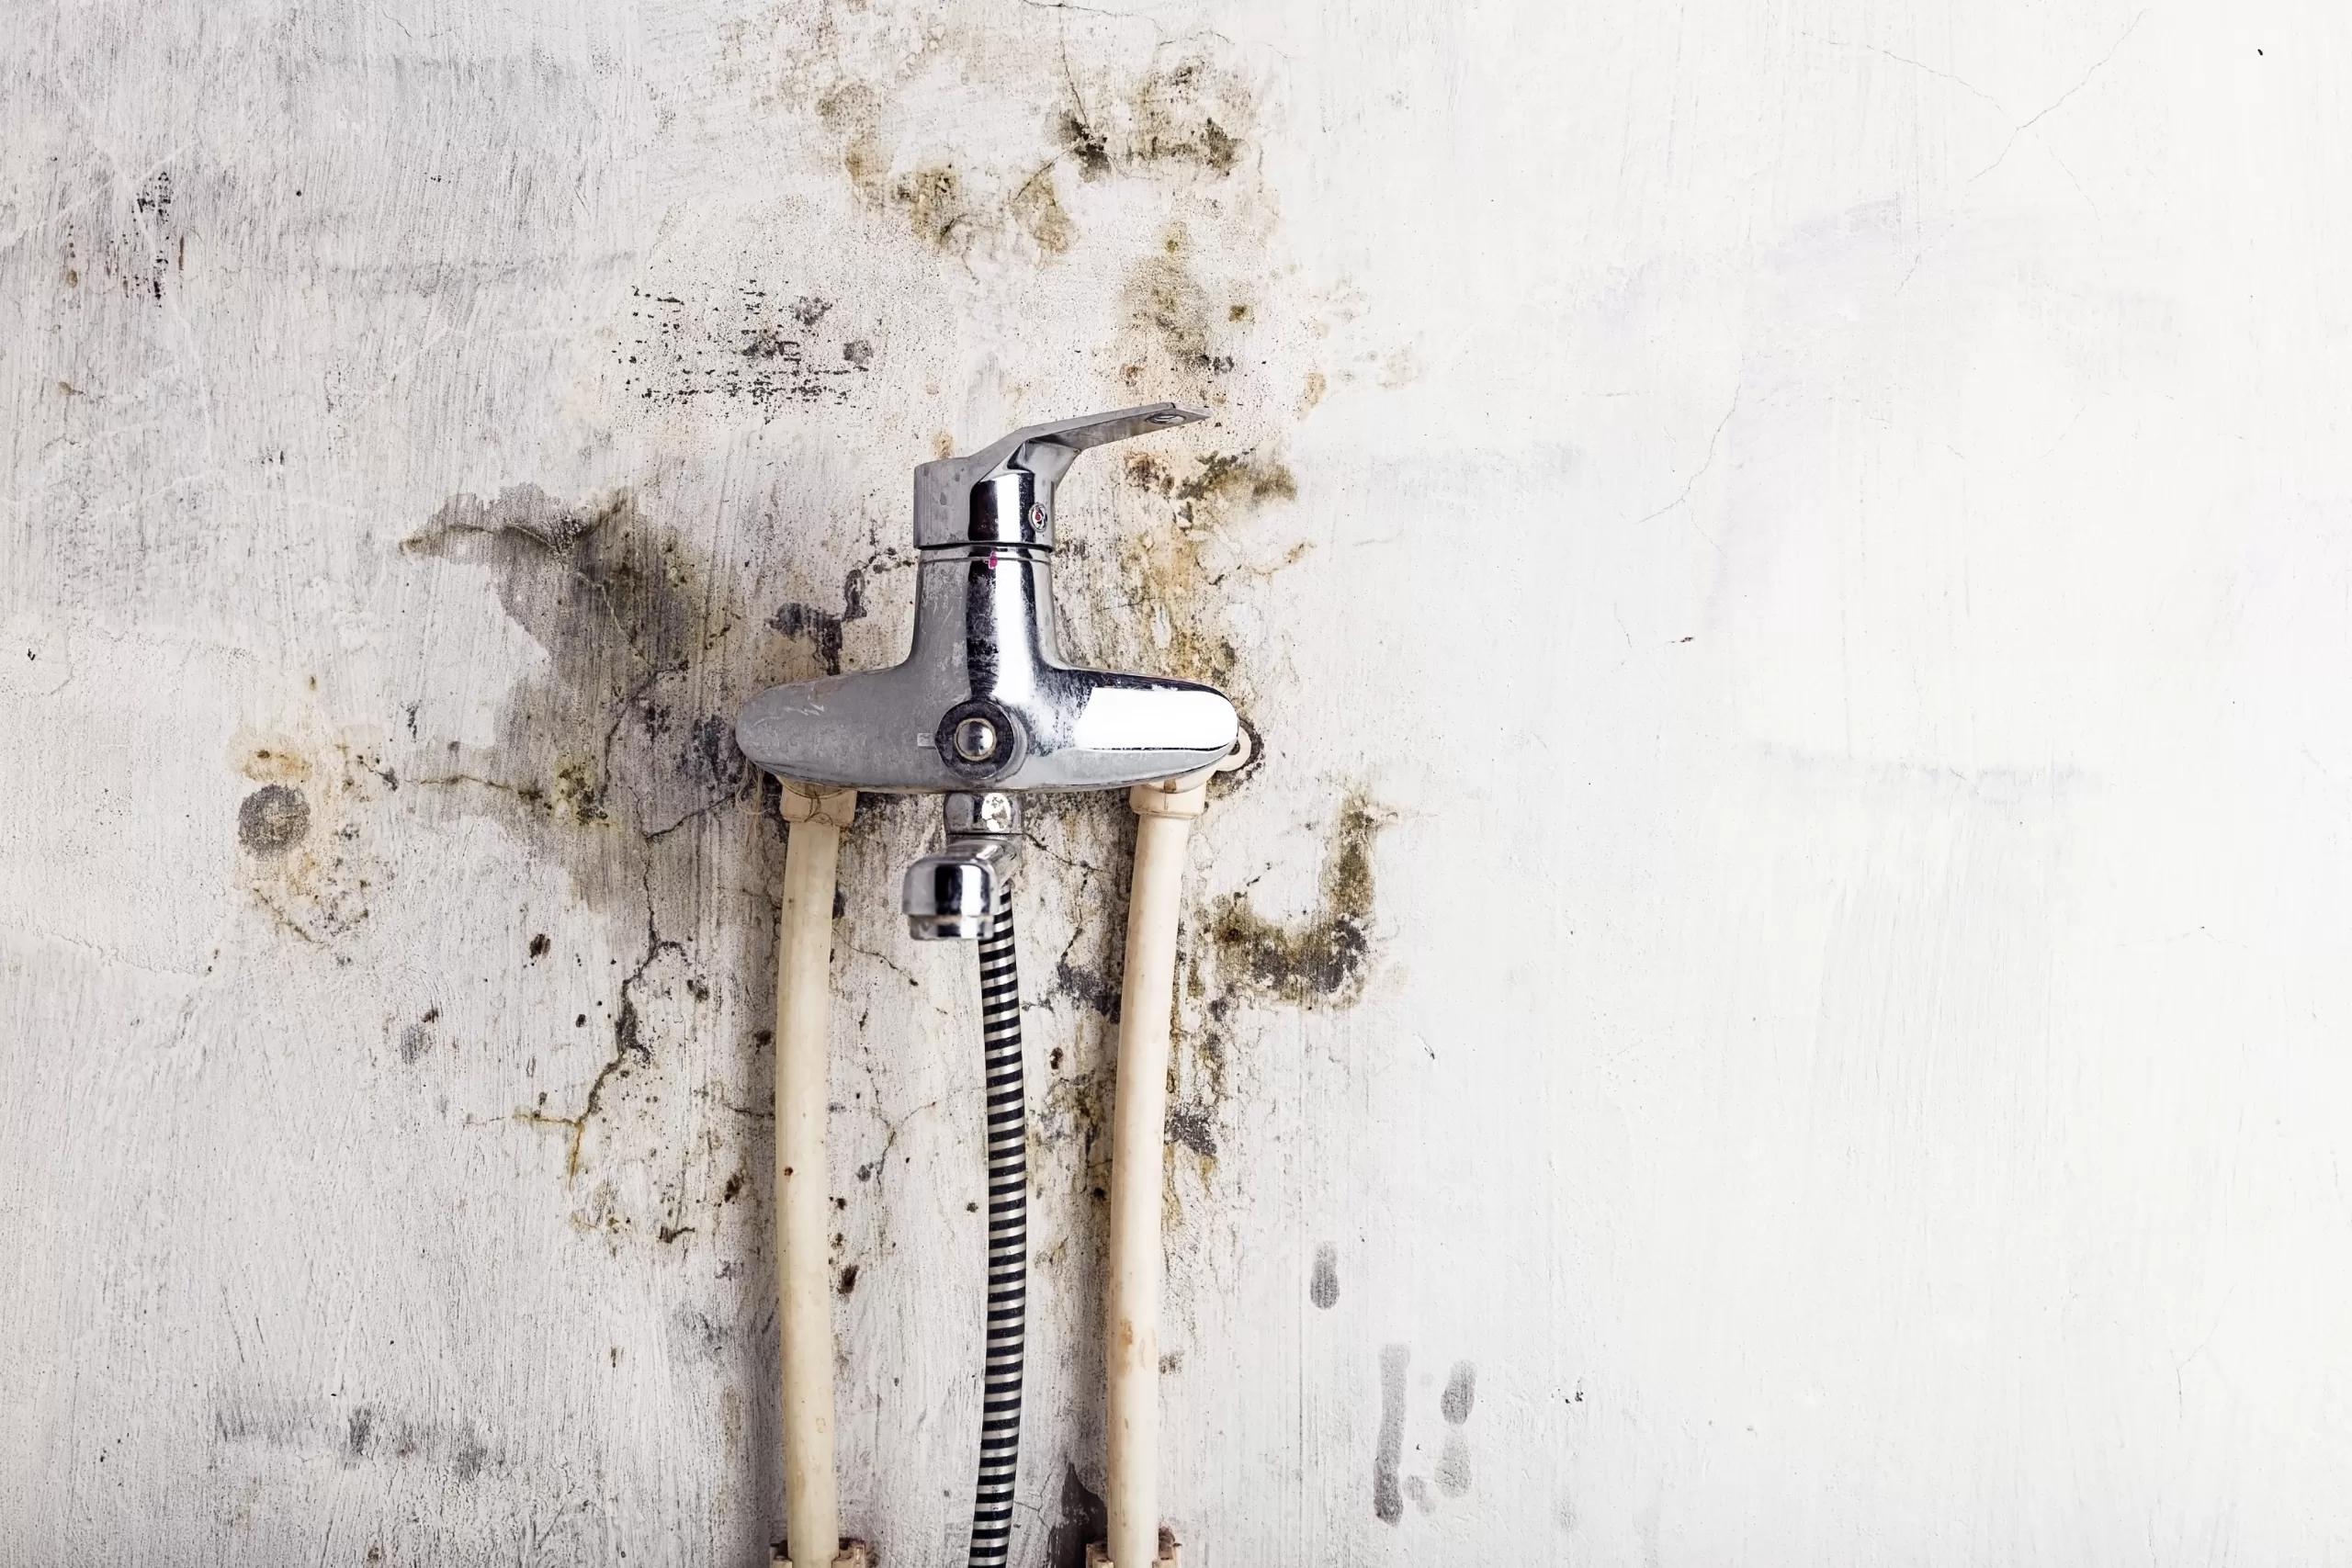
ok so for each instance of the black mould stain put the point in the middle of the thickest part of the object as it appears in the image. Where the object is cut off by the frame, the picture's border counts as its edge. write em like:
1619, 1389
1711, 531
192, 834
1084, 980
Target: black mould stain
1323, 1289
1091, 989
1387, 1493
847, 1281
273, 819
711, 758
625, 616
1085, 144
1322, 961
752, 347
1193, 1127
610, 759
821, 628
1084, 1518
136, 253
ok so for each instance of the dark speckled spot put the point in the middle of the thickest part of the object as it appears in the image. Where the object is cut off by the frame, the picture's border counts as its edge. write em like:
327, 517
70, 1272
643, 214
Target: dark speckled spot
1460, 1393
273, 819
1324, 1288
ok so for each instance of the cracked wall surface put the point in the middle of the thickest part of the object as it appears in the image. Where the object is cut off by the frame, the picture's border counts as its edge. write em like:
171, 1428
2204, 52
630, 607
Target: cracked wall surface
1769, 993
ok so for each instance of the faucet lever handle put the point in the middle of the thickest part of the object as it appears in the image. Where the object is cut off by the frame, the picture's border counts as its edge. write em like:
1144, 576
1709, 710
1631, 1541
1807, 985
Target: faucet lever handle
1004, 492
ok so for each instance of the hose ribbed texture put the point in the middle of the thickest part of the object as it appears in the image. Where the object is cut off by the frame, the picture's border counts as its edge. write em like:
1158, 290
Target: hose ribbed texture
1008, 1239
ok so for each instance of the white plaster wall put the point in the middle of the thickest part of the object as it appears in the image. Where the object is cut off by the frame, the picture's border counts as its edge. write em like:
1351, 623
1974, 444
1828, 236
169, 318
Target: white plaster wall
1779, 996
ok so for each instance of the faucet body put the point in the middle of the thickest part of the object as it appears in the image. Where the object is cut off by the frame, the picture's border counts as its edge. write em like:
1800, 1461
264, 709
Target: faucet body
985, 649
983, 705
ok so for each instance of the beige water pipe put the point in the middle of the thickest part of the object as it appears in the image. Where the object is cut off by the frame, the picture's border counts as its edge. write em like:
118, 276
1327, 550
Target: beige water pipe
803, 1192
1164, 815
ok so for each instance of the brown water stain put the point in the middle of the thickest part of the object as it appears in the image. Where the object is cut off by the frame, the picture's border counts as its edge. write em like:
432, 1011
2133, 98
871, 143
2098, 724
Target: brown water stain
1174, 310
935, 204
1187, 110
309, 861
1189, 551
1177, 114
1038, 207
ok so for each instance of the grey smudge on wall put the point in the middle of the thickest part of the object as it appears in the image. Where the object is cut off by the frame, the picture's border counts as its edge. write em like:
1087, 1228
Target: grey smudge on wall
363, 1426
1324, 1288
364, 1435
622, 613
1455, 1403
1453, 1465
699, 1336
1387, 1496
273, 819
1460, 1393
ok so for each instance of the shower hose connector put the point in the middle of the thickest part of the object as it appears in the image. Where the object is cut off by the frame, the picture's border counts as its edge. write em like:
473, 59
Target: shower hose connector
953, 896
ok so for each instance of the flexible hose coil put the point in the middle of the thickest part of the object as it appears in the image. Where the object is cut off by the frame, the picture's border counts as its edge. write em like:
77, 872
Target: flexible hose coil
1008, 1239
